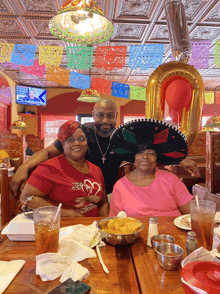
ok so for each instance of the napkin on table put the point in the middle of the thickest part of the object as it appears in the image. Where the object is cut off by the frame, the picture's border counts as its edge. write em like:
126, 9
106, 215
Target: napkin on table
74, 246
200, 254
51, 266
8, 271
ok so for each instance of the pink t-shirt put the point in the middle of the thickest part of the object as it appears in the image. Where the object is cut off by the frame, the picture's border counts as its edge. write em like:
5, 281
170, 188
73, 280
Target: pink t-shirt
58, 179
162, 197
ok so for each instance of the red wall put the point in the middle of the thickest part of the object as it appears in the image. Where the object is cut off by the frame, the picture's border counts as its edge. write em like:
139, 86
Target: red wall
208, 109
66, 104
132, 108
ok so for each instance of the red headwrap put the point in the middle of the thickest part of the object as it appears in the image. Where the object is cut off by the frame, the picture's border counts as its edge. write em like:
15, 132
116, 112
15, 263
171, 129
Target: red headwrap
67, 129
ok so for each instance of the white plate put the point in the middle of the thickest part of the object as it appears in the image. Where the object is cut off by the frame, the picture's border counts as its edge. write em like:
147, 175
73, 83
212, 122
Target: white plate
179, 224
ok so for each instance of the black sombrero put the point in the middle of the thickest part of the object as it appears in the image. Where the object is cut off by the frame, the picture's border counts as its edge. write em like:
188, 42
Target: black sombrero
169, 143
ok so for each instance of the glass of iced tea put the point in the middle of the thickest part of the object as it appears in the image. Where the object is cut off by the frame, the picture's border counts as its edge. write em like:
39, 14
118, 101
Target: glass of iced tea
46, 229
202, 221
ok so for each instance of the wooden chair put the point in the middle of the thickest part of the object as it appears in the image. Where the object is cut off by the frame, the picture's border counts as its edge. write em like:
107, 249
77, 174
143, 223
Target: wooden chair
213, 162
35, 142
125, 168
10, 205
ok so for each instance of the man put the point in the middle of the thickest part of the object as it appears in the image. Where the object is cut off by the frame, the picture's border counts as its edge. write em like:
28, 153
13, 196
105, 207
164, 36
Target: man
28, 151
98, 136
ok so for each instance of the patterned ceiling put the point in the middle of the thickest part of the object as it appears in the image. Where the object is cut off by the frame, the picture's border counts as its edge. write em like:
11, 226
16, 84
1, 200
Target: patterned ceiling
136, 22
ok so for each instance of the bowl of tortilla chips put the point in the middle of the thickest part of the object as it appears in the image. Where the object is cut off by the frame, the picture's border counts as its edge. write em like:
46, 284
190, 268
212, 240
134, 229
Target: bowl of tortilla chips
120, 231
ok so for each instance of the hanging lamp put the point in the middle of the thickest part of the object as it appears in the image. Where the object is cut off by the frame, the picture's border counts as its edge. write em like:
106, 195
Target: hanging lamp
18, 124
213, 123
81, 22
89, 95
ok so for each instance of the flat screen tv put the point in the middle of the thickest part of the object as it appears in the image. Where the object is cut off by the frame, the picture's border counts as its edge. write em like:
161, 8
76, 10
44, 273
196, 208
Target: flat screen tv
31, 96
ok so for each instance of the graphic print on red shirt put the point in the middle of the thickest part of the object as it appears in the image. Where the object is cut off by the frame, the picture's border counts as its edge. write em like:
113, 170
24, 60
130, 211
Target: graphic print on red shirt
58, 179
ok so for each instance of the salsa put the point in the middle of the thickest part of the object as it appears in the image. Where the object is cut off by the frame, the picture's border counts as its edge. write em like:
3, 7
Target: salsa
171, 254
162, 240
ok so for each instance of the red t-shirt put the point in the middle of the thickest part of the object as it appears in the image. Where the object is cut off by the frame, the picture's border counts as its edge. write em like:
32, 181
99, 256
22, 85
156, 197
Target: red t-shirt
58, 179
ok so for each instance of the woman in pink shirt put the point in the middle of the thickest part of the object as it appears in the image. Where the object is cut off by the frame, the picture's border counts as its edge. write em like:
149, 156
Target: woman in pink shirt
148, 190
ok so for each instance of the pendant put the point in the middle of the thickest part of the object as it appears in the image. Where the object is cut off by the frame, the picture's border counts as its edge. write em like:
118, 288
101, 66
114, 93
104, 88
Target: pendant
103, 159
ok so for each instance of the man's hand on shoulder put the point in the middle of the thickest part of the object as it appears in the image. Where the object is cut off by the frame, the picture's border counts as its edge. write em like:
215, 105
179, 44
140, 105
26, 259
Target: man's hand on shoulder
191, 167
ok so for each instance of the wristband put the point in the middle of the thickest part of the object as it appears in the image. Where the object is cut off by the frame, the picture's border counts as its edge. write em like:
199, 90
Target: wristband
25, 207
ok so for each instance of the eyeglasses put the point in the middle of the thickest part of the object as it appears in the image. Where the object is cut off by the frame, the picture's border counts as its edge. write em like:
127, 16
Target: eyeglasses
108, 115
80, 139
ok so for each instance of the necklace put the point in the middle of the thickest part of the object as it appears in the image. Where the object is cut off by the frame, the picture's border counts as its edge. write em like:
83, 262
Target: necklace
103, 155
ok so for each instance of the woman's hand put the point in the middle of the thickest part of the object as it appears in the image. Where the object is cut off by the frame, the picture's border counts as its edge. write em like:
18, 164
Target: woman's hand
19, 178
191, 167
90, 198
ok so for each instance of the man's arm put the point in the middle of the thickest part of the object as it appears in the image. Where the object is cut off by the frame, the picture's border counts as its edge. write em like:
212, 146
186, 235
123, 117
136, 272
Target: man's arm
191, 167
21, 175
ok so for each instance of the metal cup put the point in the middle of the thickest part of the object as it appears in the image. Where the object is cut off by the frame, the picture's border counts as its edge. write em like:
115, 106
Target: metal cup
169, 256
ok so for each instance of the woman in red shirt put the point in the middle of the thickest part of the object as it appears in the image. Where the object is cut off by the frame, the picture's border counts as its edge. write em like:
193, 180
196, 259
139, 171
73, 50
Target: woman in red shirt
68, 178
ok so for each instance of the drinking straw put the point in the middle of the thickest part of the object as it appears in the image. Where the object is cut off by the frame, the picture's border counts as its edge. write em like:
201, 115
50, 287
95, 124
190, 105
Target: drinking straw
197, 200
48, 238
200, 227
58, 210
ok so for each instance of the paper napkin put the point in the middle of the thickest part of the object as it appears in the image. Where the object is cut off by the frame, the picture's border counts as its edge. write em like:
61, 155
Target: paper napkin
8, 271
75, 244
51, 266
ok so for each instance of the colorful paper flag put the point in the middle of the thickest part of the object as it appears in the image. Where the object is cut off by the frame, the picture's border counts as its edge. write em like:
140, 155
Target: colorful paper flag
200, 54
6, 52
110, 57
137, 93
58, 74
120, 90
79, 57
36, 69
50, 55
146, 56
23, 54
102, 86
79, 81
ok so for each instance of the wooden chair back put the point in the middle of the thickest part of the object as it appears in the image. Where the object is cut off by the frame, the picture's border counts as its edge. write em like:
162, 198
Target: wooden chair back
10, 205
213, 162
35, 142
12, 144
125, 168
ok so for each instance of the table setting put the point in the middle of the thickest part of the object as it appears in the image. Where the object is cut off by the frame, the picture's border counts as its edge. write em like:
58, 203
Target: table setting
84, 242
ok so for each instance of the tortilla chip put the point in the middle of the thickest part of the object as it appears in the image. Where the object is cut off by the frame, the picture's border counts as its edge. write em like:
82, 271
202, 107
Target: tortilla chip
119, 226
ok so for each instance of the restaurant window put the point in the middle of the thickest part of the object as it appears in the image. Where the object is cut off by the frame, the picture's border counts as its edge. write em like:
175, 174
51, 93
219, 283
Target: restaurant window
84, 117
3, 117
129, 118
51, 126
204, 120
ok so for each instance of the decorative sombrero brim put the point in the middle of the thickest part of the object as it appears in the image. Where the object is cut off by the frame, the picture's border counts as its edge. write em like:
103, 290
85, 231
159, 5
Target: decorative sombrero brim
170, 144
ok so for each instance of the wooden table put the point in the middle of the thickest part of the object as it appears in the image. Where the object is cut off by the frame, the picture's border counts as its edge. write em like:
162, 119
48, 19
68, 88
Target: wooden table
133, 269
